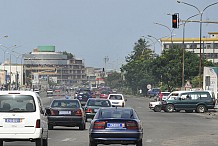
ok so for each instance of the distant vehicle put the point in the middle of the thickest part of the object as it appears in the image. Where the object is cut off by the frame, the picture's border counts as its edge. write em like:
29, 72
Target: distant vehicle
117, 100
116, 126
36, 90
153, 92
64, 112
200, 101
155, 106
93, 105
83, 97
49, 92
22, 118
104, 94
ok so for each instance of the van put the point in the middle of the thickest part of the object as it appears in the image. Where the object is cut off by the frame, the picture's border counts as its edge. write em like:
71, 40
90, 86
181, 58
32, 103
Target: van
200, 101
22, 118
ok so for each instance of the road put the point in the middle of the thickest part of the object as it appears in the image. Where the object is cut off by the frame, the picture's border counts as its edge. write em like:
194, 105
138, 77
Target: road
160, 128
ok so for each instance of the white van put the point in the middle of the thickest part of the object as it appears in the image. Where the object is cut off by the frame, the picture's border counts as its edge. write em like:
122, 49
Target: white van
22, 118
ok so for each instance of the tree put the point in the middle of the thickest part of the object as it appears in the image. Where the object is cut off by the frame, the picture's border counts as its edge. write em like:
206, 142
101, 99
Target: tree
69, 55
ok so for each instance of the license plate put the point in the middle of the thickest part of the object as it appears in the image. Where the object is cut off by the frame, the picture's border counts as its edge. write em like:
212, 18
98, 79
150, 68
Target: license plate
115, 125
64, 112
13, 120
115, 102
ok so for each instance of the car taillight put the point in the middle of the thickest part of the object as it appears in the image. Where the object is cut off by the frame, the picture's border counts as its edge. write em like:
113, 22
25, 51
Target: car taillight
131, 125
37, 123
99, 125
88, 110
78, 112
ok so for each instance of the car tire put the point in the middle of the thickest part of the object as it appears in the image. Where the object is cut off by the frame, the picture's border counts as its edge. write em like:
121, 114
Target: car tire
169, 108
39, 142
201, 109
50, 127
82, 126
139, 143
92, 143
1, 142
157, 108
45, 142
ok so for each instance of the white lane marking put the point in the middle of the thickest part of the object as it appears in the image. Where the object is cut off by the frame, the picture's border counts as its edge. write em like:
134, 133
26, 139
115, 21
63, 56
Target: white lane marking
69, 139
149, 140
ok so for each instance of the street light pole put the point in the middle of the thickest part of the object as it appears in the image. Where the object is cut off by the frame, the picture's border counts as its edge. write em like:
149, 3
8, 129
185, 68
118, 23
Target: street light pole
201, 16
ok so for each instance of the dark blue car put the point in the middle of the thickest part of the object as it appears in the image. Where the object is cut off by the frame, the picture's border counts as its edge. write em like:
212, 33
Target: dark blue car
83, 97
115, 126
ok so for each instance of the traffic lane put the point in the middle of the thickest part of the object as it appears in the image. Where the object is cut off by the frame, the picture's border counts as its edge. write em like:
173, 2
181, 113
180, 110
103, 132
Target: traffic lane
178, 128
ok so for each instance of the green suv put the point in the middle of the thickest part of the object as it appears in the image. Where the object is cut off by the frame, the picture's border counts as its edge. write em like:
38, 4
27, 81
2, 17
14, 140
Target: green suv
200, 101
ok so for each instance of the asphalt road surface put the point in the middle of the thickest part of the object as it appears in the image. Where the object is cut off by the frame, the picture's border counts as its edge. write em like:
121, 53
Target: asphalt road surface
160, 128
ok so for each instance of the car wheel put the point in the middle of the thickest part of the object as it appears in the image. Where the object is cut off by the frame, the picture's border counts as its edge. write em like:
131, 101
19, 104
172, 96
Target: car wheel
45, 142
169, 108
188, 111
1, 142
82, 126
39, 142
139, 143
92, 143
50, 127
201, 109
157, 108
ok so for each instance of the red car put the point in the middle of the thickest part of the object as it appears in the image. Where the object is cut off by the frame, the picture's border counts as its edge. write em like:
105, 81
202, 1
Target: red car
104, 94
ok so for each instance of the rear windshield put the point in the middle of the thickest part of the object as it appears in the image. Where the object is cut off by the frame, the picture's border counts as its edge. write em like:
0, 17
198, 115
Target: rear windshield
117, 113
17, 103
115, 97
100, 103
65, 104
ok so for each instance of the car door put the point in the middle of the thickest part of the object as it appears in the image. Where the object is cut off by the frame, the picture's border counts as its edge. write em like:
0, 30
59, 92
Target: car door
183, 102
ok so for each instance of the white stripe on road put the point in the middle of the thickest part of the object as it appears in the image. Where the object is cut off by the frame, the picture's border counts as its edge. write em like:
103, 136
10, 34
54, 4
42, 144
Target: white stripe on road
69, 139
149, 140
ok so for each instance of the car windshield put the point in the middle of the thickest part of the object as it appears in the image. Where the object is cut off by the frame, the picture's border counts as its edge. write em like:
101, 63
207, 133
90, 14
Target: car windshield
117, 113
115, 97
17, 103
65, 104
100, 103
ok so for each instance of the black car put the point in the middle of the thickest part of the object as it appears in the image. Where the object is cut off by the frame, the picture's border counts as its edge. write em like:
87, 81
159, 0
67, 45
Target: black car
83, 97
116, 126
66, 112
93, 105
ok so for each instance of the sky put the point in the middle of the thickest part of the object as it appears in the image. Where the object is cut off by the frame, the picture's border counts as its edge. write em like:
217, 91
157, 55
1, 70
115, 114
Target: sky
93, 30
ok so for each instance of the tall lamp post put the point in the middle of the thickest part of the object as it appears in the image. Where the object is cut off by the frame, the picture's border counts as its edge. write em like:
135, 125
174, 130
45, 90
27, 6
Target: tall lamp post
201, 15
171, 31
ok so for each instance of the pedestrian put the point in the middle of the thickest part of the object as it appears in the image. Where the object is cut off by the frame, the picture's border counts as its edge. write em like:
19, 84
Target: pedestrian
160, 95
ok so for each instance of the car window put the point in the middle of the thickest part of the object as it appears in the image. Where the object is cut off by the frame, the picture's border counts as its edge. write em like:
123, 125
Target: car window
117, 113
65, 104
116, 97
17, 103
100, 103
173, 96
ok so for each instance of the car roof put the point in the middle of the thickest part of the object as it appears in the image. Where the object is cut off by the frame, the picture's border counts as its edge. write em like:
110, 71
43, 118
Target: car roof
114, 108
98, 99
25, 92
115, 94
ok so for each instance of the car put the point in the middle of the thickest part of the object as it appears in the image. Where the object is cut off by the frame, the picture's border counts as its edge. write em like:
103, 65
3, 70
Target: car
22, 118
200, 101
116, 126
93, 105
117, 100
156, 106
165, 95
66, 112
153, 92
83, 97
36, 90
49, 92
104, 94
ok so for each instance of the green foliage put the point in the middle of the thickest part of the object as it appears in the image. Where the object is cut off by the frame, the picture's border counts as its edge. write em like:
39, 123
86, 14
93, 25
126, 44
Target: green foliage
69, 55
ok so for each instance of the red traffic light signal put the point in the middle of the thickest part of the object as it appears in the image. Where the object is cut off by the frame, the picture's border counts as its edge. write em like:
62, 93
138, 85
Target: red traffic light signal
175, 20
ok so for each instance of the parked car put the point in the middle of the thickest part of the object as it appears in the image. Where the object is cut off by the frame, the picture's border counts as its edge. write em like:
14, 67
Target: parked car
155, 106
117, 100
66, 112
165, 95
200, 101
93, 105
22, 118
153, 92
116, 126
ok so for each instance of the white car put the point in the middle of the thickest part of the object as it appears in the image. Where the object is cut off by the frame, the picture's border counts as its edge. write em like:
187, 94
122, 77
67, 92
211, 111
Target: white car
165, 95
22, 118
117, 100
155, 106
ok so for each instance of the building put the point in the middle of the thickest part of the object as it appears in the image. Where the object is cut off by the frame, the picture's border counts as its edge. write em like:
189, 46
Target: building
209, 45
44, 65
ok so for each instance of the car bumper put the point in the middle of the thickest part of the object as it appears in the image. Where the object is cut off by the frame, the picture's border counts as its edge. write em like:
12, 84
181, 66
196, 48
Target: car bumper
116, 137
65, 121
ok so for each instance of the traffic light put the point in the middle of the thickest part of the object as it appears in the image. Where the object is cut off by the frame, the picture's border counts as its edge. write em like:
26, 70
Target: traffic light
175, 20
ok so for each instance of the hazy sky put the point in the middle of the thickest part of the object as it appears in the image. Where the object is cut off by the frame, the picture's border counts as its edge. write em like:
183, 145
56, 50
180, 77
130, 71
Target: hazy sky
94, 29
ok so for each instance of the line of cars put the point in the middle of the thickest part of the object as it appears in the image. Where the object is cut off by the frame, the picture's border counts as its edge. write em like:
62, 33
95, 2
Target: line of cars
189, 101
